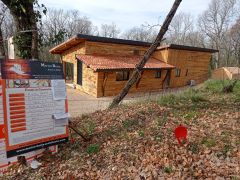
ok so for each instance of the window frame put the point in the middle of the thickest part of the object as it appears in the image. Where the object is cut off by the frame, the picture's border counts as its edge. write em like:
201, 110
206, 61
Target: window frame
177, 72
124, 75
158, 74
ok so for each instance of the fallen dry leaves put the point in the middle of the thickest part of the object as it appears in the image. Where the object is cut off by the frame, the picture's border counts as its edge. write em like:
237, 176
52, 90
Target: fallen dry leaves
137, 142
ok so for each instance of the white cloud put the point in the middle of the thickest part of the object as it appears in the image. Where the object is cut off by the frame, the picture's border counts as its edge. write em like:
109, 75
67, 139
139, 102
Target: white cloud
127, 13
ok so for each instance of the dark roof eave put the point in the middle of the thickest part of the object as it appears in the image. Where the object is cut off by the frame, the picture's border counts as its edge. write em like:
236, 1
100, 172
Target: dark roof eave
112, 40
127, 69
189, 48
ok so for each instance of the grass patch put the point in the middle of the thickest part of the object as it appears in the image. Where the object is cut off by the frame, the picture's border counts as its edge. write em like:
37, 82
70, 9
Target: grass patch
168, 169
214, 86
236, 97
128, 123
168, 100
209, 142
141, 133
189, 115
190, 96
93, 148
88, 128
196, 98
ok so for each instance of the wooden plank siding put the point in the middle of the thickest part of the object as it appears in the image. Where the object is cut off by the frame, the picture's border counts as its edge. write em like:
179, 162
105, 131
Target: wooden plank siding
161, 55
70, 56
194, 63
147, 83
100, 84
225, 74
113, 49
89, 81
221, 74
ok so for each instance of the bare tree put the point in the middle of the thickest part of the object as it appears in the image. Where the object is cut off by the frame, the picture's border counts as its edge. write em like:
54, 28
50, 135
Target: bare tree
181, 29
139, 67
235, 37
3, 10
58, 25
79, 24
142, 33
26, 15
215, 22
109, 30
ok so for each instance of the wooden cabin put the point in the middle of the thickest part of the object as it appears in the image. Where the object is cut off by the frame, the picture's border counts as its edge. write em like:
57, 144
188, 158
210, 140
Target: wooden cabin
226, 73
101, 66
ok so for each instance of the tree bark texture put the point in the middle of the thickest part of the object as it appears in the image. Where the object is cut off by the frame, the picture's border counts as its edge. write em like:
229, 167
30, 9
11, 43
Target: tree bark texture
26, 25
2, 50
139, 67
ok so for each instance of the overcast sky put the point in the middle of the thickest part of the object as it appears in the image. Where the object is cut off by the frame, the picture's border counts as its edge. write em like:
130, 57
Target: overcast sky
127, 13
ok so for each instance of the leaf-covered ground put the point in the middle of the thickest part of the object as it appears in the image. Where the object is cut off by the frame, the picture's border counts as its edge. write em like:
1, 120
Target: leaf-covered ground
137, 141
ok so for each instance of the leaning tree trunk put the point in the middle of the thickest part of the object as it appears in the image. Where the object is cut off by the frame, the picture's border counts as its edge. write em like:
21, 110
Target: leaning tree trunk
139, 67
25, 20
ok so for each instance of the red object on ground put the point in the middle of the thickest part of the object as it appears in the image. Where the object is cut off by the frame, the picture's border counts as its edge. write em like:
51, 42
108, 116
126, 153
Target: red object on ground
181, 134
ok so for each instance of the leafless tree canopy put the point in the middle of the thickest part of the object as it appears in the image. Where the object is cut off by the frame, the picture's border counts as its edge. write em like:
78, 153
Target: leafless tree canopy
141, 33
217, 27
215, 24
110, 30
6, 28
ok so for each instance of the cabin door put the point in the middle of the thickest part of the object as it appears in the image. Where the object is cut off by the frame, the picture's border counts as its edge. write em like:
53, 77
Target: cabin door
166, 80
68, 72
79, 72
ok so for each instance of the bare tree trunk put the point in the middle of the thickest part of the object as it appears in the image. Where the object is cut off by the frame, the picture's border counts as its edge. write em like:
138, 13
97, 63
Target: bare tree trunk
2, 16
34, 49
26, 25
2, 50
147, 55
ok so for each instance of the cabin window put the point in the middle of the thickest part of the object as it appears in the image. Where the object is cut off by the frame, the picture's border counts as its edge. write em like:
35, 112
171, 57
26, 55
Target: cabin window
158, 74
186, 72
122, 75
178, 72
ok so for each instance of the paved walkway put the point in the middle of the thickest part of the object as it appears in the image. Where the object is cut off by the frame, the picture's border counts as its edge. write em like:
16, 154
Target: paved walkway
81, 103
